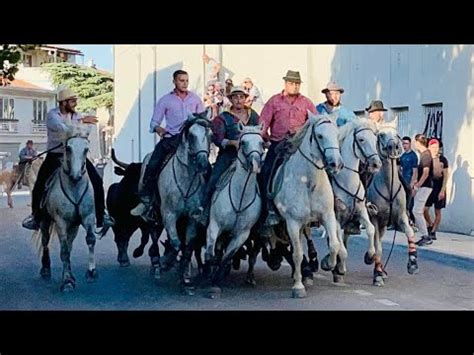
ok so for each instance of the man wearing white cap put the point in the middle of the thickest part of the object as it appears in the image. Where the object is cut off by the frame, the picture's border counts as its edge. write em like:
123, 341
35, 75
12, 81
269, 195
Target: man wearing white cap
333, 104
56, 124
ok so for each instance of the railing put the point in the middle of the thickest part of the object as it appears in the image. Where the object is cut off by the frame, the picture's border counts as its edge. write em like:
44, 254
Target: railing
38, 127
8, 126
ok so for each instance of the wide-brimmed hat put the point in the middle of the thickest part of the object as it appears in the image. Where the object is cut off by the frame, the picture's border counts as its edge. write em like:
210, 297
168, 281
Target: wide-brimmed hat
238, 89
376, 105
66, 94
292, 76
332, 86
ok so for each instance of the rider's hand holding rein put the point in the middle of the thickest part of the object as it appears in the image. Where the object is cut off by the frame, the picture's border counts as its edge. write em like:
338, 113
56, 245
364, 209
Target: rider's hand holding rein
160, 131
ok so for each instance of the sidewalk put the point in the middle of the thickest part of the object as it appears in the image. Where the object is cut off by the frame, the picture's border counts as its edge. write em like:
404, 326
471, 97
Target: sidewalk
458, 247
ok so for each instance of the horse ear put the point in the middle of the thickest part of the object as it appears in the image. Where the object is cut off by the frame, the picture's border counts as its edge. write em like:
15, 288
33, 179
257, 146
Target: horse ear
240, 126
333, 117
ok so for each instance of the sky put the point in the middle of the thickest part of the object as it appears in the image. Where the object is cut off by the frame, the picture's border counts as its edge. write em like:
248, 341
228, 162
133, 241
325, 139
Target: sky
101, 54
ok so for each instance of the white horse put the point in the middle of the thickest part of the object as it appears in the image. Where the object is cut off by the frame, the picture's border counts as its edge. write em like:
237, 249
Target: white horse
242, 195
69, 203
358, 142
306, 194
181, 187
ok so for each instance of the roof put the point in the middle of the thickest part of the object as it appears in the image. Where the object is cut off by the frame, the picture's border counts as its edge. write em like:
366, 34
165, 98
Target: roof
22, 85
63, 49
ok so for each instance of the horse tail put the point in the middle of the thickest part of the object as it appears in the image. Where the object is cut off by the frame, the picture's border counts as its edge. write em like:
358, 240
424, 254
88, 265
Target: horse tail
37, 239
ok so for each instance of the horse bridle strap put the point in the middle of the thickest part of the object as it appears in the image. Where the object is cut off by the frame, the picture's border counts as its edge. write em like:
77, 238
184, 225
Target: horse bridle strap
186, 195
356, 142
76, 204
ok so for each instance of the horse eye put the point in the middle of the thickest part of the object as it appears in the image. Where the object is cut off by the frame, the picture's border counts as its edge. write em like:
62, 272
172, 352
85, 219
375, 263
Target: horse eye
320, 136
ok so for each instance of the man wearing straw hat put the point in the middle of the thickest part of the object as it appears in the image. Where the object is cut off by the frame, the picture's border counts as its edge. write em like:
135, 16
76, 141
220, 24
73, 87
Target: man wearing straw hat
333, 92
56, 124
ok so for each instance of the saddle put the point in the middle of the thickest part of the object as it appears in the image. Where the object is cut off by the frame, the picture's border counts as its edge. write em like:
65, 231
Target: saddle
225, 177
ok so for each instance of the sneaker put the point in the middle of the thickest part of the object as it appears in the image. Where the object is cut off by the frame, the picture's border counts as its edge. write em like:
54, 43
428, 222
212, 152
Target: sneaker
30, 223
425, 240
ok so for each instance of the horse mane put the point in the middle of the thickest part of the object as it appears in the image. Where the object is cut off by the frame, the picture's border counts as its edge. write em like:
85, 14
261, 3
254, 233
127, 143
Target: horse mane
294, 142
198, 119
349, 127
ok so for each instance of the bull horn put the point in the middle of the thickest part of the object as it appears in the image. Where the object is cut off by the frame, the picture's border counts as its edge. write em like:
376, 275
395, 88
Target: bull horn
118, 162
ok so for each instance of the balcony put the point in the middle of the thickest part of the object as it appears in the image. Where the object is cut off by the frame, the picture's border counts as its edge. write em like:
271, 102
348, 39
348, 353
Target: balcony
8, 126
38, 127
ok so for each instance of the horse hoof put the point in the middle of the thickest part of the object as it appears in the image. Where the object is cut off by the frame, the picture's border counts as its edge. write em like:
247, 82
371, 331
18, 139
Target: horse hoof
308, 282
378, 281
367, 259
67, 287
189, 290
155, 272
137, 253
124, 264
251, 281
314, 265
92, 275
214, 292
45, 273
337, 279
299, 293
325, 264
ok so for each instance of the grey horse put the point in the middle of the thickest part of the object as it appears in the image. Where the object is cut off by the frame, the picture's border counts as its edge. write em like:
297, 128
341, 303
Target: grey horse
69, 203
386, 192
306, 194
358, 140
181, 187
236, 204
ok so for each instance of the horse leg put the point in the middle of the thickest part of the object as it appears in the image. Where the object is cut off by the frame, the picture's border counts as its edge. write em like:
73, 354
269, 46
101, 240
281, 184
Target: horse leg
170, 225
312, 253
235, 243
68, 282
9, 198
378, 267
213, 232
340, 269
253, 251
122, 238
89, 224
187, 255
412, 266
45, 271
143, 242
370, 229
294, 229
330, 224
154, 253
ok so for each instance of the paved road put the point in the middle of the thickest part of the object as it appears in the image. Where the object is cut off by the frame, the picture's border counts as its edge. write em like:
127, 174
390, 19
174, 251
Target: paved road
441, 284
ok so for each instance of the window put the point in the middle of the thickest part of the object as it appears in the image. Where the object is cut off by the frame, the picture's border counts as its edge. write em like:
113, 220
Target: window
40, 110
434, 120
403, 122
7, 108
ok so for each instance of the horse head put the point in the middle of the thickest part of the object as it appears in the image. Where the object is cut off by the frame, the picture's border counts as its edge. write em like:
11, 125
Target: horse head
76, 147
251, 147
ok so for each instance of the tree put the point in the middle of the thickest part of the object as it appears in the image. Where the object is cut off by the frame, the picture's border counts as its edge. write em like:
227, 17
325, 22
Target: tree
10, 56
93, 87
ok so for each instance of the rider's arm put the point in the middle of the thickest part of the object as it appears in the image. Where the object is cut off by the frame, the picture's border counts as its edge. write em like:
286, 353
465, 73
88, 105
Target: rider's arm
158, 115
54, 122
266, 117
218, 132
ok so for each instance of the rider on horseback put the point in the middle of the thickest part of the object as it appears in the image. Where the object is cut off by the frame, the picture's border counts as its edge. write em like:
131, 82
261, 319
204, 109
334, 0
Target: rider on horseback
176, 106
284, 114
57, 123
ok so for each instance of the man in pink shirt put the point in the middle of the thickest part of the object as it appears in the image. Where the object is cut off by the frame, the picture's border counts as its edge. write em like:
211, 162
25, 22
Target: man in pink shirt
283, 115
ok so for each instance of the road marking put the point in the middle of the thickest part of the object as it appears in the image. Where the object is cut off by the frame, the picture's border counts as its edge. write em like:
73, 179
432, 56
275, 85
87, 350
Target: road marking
363, 293
387, 302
